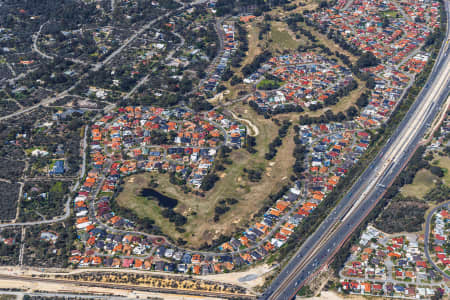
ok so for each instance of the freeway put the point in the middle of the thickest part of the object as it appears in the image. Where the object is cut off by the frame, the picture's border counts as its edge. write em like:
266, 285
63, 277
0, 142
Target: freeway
320, 247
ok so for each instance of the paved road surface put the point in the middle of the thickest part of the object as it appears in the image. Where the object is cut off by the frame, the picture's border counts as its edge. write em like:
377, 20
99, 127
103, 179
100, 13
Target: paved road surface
427, 238
319, 248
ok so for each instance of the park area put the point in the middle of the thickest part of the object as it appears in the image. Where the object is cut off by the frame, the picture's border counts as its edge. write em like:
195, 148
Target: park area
234, 183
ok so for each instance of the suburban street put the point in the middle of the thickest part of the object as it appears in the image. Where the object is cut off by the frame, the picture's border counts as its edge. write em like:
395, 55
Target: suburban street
427, 238
320, 247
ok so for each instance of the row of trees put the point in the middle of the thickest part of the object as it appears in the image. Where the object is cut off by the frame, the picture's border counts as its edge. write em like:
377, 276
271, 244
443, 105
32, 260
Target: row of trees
277, 141
222, 158
328, 116
250, 144
341, 92
251, 68
299, 154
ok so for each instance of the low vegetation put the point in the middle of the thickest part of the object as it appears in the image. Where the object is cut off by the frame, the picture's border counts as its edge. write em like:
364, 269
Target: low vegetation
9, 193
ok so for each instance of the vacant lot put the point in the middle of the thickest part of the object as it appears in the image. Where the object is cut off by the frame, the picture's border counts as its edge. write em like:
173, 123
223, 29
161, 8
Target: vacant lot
423, 182
201, 227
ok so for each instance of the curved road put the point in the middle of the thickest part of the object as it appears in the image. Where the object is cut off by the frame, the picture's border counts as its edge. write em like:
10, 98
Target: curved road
427, 238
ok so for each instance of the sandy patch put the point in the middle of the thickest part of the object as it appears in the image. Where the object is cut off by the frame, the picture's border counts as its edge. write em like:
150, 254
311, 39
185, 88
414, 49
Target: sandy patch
331, 295
259, 272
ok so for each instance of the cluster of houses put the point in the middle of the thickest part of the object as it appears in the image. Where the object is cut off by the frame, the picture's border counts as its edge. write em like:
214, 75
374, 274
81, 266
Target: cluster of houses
153, 138
389, 265
335, 148
9, 241
139, 138
394, 34
392, 290
220, 64
308, 79
332, 150
440, 238
385, 96
390, 31
416, 63
164, 259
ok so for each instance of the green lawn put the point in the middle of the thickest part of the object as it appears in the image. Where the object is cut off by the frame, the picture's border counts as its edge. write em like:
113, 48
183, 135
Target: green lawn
281, 39
444, 163
390, 13
423, 183
131, 199
267, 84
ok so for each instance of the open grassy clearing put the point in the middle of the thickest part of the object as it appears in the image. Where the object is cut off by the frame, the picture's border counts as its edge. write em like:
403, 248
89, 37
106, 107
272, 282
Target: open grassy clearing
237, 90
130, 198
254, 44
283, 39
279, 11
391, 13
201, 227
423, 182
444, 163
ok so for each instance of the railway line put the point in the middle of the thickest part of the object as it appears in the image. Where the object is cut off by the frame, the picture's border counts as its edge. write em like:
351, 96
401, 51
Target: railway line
135, 288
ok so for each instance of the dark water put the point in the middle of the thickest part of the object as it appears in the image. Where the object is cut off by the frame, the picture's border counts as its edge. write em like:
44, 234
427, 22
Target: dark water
163, 200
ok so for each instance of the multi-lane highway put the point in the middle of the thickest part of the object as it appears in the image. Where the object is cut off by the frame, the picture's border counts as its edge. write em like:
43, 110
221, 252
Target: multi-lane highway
319, 248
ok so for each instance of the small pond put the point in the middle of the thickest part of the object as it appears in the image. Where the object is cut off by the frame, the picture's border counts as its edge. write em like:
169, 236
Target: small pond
163, 200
